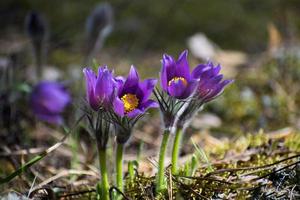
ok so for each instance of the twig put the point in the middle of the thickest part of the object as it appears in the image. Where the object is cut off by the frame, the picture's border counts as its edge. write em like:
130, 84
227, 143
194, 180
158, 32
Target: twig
62, 174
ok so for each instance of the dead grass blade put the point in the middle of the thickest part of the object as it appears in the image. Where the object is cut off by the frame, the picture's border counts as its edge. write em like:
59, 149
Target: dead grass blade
39, 157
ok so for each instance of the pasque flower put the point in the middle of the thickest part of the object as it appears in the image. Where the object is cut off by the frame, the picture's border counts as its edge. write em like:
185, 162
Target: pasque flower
210, 81
100, 91
209, 87
132, 97
130, 103
175, 76
178, 86
48, 101
99, 88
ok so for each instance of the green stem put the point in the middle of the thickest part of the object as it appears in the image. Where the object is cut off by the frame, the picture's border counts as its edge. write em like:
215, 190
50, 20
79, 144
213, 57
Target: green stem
119, 166
104, 178
175, 151
161, 163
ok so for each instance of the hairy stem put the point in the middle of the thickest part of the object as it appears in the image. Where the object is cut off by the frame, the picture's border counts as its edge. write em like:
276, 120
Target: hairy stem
104, 177
119, 166
161, 163
176, 150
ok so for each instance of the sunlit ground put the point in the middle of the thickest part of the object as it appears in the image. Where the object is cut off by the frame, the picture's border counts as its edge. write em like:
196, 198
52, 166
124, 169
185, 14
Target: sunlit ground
242, 145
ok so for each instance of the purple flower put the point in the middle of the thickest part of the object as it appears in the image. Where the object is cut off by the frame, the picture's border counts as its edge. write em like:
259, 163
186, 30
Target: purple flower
175, 76
99, 88
48, 100
133, 96
210, 85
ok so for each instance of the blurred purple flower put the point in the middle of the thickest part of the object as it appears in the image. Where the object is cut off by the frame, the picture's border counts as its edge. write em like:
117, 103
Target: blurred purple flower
175, 76
133, 96
48, 100
100, 89
210, 81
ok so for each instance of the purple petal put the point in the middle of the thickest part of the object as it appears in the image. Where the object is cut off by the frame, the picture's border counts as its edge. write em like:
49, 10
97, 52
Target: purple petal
104, 86
191, 87
90, 78
168, 60
206, 87
132, 81
55, 100
182, 68
199, 70
167, 72
207, 74
210, 64
143, 108
216, 70
213, 71
149, 104
217, 90
118, 106
48, 100
146, 88
210, 82
176, 89
163, 79
120, 80
134, 113
51, 97
169, 64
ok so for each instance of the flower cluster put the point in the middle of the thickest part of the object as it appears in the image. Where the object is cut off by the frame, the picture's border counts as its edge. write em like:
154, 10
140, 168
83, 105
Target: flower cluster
186, 93
126, 97
121, 102
118, 102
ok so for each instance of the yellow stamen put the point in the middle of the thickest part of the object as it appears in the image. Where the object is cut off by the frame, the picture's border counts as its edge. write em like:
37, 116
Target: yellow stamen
130, 101
177, 79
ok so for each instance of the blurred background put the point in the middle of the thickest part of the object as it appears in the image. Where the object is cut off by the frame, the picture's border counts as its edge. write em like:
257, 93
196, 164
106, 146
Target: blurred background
256, 42
141, 26
244, 36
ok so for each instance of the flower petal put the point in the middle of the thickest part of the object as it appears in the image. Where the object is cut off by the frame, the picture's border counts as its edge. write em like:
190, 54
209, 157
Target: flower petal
182, 68
48, 100
118, 106
210, 82
211, 72
90, 78
132, 81
149, 104
190, 89
219, 88
134, 113
50, 97
120, 80
146, 88
104, 86
176, 89
196, 73
217, 69
167, 73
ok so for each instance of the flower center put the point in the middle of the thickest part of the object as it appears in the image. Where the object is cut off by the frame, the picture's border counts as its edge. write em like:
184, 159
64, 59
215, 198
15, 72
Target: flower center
177, 79
130, 101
